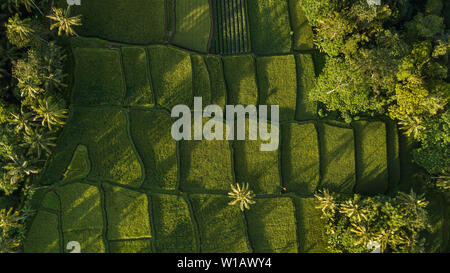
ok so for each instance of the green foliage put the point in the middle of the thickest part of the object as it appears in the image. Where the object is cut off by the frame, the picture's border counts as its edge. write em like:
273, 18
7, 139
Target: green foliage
31, 72
389, 59
345, 88
396, 224
9, 222
50, 113
38, 142
19, 32
425, 25
63, 21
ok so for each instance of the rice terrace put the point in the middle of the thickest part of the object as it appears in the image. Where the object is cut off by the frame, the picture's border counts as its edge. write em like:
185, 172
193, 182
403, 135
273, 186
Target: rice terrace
118, 182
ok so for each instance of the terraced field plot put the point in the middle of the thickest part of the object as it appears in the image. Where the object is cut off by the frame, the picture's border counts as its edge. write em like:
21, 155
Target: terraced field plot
118, 182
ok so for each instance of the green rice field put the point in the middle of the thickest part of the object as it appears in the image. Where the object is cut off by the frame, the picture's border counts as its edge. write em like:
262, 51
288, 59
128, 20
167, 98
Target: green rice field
117, 180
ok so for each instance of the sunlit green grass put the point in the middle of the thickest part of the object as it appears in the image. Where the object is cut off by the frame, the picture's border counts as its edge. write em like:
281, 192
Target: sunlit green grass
127, 214
171, 72
174, 227
193, 24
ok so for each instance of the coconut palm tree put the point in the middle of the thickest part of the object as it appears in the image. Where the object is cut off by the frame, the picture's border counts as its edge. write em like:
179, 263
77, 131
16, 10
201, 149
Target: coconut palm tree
354, 210
241, 195
412, 201
9, 219
383, 237
363, 234
327, 202
27, 4
412, 126
19, 168
27, 71
37, 142
50, 113
9, 245
18, 31
64, 23
21, 121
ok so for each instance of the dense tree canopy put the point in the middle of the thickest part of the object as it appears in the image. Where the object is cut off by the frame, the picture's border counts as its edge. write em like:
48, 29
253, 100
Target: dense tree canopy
389, 59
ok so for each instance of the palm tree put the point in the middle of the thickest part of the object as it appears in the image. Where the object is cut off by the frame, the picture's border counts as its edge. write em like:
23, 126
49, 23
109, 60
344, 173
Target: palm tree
19, 168
412, 126
9, 245
383, 237
242, 195
50, 113
27, 4
9, 219
18, 31
64, 23
38, 142
412, 201
327, 202
363, 234
21, 121
28, 74
353, 209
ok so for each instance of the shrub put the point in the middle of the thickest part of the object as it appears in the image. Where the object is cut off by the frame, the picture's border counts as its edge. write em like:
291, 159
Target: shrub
355, 223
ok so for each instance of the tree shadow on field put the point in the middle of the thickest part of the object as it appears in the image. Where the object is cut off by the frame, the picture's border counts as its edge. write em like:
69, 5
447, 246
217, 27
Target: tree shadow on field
337, 158
151, 132
371, 158
289, 171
